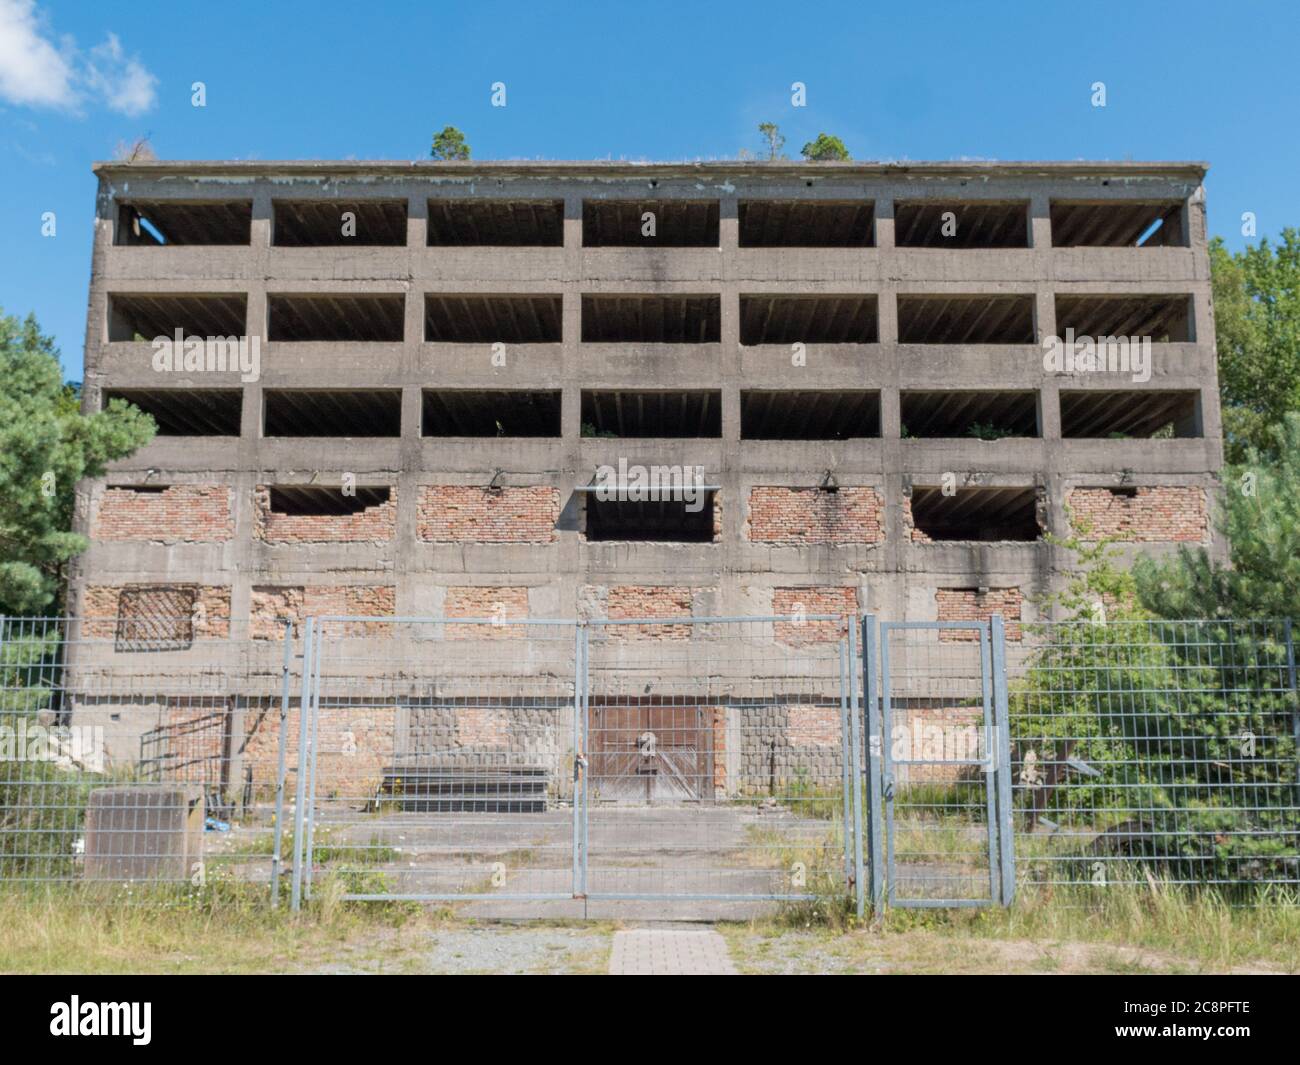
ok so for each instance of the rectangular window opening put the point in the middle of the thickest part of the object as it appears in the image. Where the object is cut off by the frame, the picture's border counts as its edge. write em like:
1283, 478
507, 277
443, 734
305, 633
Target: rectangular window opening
663, 520
1133, 414
187, 411
167, 222
650, 223
829, 415
976, 514
969, 224
465, 412
308, 499
338, 223
332, 413
476, 319
1163, 318
652, 319
144, 316
849, 319
807, 224
341, 317
987, 416
496, 223
336, 317
651, 414
1117, 224
963, 319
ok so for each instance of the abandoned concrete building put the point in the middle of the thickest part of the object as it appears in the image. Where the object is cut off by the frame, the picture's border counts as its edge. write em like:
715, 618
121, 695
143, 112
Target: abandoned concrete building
849, 358
429, 365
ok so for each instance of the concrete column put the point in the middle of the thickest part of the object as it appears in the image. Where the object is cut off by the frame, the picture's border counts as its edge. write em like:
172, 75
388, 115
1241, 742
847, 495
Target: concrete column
1049, 408
568, 566
1040, 221
887, 317
884, 222
729, 228
417, 224
1045, 313
1049, 402
256, 324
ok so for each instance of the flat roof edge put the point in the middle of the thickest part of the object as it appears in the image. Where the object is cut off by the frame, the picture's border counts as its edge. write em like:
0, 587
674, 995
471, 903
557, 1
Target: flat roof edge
439, 168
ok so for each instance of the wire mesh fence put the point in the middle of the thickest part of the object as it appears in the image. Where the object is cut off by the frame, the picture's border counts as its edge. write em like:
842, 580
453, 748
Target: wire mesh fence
439, 758
721, 759
147, 750
652, 758
535, 760
940, 747
1165, 750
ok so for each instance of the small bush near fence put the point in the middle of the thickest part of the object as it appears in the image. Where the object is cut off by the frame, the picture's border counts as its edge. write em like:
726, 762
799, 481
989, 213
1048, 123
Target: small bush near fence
1157, 749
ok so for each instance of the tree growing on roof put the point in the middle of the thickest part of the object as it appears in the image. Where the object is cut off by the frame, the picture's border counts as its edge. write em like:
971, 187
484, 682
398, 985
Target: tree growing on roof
449, 144
827, 147
774, 138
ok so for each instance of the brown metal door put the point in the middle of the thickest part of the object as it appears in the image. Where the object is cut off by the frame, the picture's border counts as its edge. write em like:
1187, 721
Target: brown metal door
649, 754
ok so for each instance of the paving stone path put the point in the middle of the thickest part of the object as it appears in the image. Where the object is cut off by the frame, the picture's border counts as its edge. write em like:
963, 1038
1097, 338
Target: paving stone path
670, 952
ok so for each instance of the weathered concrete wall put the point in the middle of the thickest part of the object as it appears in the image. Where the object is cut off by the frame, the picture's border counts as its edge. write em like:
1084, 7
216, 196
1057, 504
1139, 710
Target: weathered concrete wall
457, 523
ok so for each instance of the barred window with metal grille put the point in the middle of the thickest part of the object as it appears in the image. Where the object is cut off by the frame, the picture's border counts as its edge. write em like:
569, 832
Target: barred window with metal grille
155, 618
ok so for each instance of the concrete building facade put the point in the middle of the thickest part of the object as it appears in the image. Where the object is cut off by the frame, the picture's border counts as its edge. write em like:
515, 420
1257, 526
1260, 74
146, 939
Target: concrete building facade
852, 356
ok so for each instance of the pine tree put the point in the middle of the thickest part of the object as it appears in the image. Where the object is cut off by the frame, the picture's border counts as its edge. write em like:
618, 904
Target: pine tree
827, 147
1260, 519
46, 445
449, 144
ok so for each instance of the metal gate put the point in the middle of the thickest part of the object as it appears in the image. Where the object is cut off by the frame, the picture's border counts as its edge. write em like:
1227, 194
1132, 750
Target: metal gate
720, 759
437, 759
645, 758
939, 764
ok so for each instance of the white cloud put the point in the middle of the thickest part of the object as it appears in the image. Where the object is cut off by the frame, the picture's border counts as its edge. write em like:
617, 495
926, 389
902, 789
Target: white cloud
121, 80
32, 70
36, 72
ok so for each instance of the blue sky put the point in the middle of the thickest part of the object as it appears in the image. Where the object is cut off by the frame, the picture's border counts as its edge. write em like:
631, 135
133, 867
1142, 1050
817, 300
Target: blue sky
669, 81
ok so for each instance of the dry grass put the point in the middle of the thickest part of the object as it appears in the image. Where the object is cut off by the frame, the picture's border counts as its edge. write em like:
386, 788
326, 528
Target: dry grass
223, 928
228, 928
1152, 927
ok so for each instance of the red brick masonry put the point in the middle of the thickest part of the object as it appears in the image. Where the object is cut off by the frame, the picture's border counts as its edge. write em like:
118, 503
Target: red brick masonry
197, 513
1159, 514
813, 516
463, 514
968, 604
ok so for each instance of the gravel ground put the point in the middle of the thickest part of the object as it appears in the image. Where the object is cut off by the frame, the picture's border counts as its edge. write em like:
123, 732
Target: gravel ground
793, 953
519, 950
502, 949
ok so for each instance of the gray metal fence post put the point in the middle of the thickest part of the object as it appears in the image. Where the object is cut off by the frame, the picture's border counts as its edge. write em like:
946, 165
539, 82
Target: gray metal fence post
584, 794
990, 760
1002, 774
845, 758
855, 772
314, 706
579, 679
281, 769
300, 787
873, 749
1295, 700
